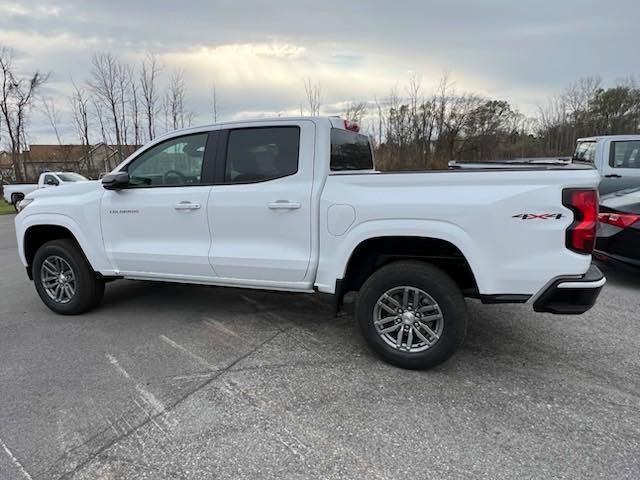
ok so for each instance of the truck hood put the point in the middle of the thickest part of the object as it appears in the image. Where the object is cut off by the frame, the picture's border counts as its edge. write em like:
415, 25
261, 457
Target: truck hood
66, 189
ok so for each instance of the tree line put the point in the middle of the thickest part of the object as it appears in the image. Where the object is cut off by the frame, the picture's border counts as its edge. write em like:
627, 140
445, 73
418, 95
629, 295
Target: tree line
418, 130
123, 104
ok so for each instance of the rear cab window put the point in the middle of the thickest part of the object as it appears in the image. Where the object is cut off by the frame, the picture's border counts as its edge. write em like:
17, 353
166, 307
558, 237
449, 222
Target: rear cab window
350, 151
585, 152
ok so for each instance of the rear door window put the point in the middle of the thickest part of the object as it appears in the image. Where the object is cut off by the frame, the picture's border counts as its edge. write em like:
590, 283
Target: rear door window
625, 154
350, 151
261, 154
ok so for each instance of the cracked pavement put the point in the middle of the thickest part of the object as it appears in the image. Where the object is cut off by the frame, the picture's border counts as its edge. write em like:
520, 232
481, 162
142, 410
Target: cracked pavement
176, 381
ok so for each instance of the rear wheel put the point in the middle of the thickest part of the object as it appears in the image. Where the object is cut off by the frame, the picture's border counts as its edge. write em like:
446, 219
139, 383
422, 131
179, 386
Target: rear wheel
412, 314
63, 278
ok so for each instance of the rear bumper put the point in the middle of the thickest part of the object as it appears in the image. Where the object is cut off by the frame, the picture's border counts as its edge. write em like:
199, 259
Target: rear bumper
571, 295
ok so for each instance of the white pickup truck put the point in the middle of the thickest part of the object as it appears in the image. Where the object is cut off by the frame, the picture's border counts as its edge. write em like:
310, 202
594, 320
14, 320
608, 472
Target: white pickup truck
296, 205
14, 193
616, 157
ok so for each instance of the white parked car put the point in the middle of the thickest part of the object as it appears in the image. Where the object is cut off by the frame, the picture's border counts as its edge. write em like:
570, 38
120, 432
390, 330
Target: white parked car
616, 157
14, 193
297, 205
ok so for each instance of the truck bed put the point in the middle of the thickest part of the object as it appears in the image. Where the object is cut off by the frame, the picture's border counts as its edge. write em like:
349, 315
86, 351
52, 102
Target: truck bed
477, 209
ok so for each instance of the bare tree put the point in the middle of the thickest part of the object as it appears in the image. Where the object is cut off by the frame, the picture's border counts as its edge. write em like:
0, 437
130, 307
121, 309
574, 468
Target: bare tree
125, 74
581, 93
314, 94
355, 111
380, 117
134, 107
99, 115
16, 99
107, 84
150, 100
214, 102
48, 108
189, 118
79, 103
80, 113
176, 115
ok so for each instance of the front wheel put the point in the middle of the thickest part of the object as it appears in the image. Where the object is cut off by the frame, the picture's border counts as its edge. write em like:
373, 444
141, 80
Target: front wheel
412, 314
63, 278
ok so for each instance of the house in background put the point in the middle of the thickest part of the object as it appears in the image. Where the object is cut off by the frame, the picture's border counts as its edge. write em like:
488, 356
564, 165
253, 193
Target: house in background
90, 161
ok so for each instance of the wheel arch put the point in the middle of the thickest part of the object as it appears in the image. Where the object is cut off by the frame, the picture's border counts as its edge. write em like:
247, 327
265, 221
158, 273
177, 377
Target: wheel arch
374, 252
418, 235
37, 233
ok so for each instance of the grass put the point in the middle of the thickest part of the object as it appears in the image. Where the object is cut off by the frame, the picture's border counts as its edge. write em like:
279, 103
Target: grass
6, 208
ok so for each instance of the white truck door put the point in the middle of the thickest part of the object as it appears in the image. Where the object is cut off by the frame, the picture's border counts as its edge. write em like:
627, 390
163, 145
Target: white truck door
158, 226
260, 214
620, 166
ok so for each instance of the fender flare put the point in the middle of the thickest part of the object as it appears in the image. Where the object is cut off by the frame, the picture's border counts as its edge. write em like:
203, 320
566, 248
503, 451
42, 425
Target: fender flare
336, 264
58, 220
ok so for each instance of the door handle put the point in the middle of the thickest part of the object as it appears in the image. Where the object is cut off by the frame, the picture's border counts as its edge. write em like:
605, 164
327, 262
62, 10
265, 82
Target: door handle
186, 205
284, 205
613, 175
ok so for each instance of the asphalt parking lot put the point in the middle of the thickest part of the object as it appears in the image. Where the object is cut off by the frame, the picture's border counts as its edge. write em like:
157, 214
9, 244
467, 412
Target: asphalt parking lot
176, 381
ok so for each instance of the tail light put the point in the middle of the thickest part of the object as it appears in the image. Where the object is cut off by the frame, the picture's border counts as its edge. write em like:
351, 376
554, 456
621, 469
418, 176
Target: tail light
622, 220
352, 126
581, 234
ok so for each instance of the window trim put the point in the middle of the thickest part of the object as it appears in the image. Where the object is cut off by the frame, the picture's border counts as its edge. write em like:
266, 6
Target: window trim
612, 154
223, 151
208, 160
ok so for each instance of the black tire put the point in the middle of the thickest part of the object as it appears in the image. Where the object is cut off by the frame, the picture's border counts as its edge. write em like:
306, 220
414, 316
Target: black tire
88, 289
436, 284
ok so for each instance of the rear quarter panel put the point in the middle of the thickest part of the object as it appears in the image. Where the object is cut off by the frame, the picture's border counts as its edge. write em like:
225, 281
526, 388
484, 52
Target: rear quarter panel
475, 210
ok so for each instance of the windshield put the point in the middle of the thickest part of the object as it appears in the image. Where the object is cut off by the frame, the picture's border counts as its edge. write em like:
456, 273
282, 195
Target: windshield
71, 177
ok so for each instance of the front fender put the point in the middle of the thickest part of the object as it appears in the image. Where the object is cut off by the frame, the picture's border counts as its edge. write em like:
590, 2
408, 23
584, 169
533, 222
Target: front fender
336, 251
90, 242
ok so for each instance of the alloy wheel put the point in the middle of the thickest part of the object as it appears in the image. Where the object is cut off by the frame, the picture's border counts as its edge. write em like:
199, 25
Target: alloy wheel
58, 279
408, 319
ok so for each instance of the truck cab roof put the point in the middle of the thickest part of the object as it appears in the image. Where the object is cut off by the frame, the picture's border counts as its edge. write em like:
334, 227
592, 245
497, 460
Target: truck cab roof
609, 137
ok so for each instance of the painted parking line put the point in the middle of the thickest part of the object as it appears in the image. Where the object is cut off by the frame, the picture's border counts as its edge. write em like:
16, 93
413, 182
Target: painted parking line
193, 356
144, 394
219, 326
15, 461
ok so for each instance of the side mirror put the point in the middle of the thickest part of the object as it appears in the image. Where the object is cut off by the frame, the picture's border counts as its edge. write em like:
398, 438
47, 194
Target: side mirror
116, 181
52, 182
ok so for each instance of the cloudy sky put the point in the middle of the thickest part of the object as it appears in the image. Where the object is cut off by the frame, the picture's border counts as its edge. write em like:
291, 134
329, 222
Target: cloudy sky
258, 52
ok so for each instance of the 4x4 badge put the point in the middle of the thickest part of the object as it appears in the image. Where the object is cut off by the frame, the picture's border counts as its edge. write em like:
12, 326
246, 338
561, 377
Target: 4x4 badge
539, 216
